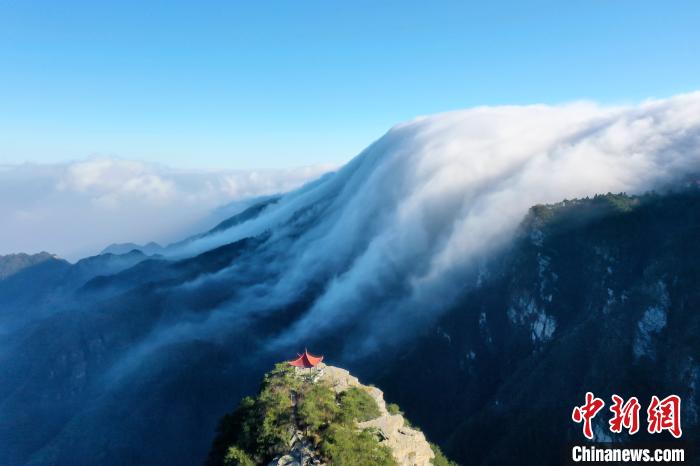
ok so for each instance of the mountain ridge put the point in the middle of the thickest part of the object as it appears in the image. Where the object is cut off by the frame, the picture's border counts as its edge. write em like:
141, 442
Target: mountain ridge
11, 264
408, 266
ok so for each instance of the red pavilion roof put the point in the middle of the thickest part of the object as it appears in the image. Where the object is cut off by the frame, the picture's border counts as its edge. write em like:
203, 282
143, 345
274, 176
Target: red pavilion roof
306, 360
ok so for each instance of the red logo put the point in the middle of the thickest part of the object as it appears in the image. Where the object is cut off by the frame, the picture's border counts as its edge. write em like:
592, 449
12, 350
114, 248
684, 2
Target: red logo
661, 415
665, 415
587, 412
625, 415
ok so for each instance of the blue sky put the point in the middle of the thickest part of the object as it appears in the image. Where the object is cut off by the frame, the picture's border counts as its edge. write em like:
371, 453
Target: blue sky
289, 83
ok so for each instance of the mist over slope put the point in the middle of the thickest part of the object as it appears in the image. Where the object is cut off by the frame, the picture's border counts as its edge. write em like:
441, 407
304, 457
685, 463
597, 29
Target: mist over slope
403, 222
138, 358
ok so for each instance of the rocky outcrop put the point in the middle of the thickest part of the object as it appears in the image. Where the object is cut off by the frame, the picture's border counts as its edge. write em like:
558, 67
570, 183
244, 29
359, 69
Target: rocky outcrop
408, 445
302, 451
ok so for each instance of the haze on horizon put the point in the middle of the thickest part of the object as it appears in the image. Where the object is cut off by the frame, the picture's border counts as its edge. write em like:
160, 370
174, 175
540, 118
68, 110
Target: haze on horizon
127, 122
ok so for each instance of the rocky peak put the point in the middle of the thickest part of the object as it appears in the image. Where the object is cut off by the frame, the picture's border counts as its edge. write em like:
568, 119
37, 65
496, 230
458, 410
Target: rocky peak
319, 416
408, 445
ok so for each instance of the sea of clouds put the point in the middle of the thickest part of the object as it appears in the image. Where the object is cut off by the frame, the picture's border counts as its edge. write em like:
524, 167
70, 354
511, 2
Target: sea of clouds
352, 262
391, 236
75, 209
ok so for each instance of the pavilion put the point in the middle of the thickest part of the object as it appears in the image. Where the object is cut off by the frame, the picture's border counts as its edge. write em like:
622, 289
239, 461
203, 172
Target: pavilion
306, 360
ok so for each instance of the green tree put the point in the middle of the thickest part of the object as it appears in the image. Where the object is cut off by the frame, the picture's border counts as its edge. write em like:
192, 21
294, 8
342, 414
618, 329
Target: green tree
357, 405
317, 407
440, 458
237, 457
345, 446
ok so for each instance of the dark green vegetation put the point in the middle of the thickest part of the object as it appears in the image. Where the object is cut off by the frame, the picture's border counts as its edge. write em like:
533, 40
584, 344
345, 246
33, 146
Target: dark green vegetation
262, 427
237, 457
440, 458
344, 446
600, 295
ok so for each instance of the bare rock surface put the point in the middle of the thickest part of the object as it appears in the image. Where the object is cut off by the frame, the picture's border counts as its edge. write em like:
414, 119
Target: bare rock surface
409, 446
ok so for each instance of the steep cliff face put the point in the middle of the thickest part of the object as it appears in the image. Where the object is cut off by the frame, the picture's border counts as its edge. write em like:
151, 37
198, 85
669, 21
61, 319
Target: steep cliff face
318, 416
407, 444
596, 295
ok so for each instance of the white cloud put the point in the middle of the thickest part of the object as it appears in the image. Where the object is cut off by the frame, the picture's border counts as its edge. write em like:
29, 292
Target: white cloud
397, 227
77, 208
387, 239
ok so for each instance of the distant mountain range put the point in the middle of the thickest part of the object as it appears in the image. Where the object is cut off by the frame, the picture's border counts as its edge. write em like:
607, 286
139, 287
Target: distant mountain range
12, 263
443, 264
122, 248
